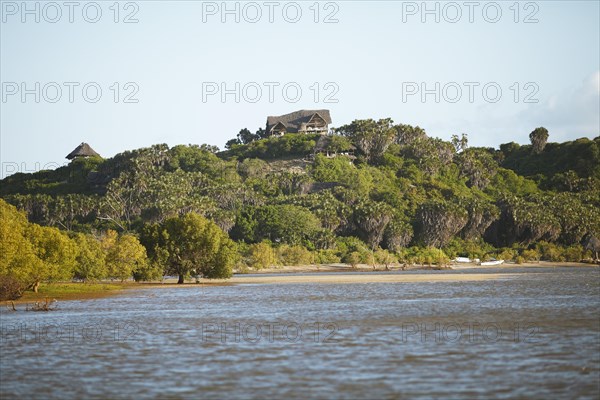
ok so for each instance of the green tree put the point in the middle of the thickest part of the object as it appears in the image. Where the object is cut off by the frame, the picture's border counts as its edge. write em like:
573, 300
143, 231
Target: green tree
232, 143
478, 166
276, 223
398, 234
372, 138
91, 259
190, 244
460, 143
294, 255
372, 219
245, 136
439, 221
18, 260
169, 194
431, 154
332, 213
385, 257
353, 259
127, 194
525, 220
568, 181
338, 144
124, 256
261, 133
57, 254
261, 255
253, 168
291, 182
209, 147
539, 138
481, 215
407, 134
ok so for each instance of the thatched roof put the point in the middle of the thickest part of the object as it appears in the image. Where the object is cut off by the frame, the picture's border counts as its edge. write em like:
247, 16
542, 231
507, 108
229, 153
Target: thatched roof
83, 150
294, 121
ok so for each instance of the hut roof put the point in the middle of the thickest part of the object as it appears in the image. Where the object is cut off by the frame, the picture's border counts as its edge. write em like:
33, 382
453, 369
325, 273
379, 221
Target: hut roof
293, 121
83, 150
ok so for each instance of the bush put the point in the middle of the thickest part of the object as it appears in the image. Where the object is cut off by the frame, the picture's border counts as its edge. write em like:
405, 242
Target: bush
574, 253
385, 257
351, 244
507, 254
519, 260
294, 255
408, 256
261, 255
423, 256
353, 259
148, 272
435, 256
291, 144
549, 252
10, 288
458, 247
286, 223
326, 257
412, 255
530, 255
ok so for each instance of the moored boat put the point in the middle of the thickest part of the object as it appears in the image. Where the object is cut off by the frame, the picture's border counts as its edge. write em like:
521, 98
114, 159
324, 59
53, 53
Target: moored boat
462, 260
492, 262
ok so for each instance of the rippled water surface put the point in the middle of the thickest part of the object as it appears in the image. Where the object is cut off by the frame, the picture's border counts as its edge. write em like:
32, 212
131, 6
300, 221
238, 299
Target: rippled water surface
535, 335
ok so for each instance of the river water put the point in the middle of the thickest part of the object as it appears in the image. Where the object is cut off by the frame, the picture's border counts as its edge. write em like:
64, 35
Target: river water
533, 335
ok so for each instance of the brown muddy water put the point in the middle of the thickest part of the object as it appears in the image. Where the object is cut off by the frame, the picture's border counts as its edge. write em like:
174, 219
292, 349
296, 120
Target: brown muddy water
532, 335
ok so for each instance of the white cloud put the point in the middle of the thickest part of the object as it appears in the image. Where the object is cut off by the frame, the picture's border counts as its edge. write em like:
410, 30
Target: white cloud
570, 114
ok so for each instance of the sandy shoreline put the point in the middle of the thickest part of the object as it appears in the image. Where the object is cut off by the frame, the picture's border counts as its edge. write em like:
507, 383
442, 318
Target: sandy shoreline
282, 278
344, 268
362, 278
332, 274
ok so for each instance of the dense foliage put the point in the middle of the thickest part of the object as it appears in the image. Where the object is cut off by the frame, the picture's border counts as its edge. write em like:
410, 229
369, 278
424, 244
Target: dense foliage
190, 245
373, 193
32, 254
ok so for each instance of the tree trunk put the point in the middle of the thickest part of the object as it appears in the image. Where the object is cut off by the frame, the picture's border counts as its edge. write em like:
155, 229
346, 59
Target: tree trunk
36, 287
180, 281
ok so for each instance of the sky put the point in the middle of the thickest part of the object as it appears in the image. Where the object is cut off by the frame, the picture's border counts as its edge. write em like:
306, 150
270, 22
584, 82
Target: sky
125, 75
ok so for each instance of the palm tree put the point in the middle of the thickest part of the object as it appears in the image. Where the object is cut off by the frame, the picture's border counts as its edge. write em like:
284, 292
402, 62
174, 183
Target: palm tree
538, 138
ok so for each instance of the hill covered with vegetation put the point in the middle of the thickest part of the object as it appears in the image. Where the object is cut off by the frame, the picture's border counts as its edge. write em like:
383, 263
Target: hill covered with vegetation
374, 193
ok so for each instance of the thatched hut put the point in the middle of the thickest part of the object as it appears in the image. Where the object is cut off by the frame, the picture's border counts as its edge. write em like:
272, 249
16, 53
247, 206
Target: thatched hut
83, 150
302, 121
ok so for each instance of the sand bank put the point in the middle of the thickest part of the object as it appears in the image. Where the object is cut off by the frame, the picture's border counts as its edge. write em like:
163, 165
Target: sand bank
363, 278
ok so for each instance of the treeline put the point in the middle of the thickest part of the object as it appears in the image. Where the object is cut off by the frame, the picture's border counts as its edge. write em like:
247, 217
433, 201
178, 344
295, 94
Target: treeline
401, 196
31, 253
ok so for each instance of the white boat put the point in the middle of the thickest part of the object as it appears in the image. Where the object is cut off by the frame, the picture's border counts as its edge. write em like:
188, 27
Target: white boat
462, 260
493, 262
